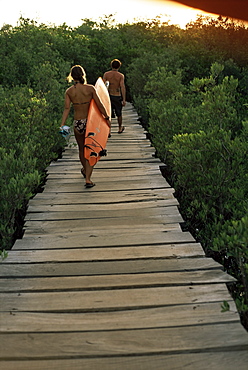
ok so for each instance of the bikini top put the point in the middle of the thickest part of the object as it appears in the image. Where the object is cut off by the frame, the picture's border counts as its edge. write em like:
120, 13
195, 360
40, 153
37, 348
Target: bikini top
87, 102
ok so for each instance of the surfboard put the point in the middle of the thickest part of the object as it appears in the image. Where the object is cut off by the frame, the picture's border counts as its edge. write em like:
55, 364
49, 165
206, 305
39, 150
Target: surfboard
97, 129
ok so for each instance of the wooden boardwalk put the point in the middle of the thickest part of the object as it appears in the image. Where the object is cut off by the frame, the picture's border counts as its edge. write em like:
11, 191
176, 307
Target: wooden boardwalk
105, 279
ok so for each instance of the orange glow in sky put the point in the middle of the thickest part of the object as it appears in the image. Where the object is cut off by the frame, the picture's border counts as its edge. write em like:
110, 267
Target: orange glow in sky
58, 12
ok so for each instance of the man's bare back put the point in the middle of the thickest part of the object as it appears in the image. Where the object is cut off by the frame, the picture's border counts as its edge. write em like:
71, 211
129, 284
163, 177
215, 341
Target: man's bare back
116, 81
117, 91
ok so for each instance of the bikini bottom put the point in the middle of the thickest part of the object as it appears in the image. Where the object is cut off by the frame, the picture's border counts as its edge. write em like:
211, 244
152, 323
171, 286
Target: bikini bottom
80, 125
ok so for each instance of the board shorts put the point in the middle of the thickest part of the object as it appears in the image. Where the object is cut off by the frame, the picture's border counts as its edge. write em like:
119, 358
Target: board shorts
80, 125
116, 105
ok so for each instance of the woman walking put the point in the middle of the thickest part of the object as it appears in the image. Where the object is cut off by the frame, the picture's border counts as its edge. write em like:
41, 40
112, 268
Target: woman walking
80, 95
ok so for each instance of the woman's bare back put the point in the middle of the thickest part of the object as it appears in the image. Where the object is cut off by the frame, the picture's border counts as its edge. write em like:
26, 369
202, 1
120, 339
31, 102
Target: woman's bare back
80, 95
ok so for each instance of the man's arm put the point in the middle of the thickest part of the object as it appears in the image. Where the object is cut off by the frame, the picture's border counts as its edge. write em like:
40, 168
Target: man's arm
105, 77
105, 80
123, 90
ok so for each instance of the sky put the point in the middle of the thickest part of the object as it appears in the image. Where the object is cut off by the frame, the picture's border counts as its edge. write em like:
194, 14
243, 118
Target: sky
58, 12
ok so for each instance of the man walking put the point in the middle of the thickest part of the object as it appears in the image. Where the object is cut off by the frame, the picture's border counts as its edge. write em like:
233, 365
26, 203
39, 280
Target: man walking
117, 91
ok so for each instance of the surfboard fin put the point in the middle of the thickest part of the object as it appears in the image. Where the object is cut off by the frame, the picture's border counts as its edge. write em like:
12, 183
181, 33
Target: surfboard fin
103, 153
93, 154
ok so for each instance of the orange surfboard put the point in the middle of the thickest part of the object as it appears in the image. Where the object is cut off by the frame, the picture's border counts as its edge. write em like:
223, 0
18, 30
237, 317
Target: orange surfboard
97, 129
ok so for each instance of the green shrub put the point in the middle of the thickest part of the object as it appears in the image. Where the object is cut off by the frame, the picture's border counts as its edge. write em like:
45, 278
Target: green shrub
28, 142
18, 179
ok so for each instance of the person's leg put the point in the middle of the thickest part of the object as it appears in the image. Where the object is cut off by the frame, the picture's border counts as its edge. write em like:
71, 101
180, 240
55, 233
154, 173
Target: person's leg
88, 172
119, 114
112, 106
87, 169
121, 128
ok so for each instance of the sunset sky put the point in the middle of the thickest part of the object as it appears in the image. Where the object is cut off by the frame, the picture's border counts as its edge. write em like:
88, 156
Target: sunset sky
57, 12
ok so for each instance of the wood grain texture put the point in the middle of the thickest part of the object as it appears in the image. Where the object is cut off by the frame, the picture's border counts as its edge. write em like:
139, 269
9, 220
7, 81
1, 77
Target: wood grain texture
126, 342
153, 317
106, 279
149, 265
193, 361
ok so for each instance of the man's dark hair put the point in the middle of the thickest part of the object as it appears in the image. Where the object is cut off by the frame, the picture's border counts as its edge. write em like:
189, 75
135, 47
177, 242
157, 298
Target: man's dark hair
115, 64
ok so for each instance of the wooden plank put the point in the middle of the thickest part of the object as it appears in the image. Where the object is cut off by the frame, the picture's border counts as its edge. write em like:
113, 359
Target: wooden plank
107, 267
126, 342
110, 238
139, 155
104, 186
106, 161
104, 164
113, 299
77, 240
86, 212
95, 224
136, 146
77, 207
77, 226
99, 173
119, 209
114, 281
42, 253
193, 361
183, 315
121, 179
128, 150
111, 161
141, 147
103, 197
108, 174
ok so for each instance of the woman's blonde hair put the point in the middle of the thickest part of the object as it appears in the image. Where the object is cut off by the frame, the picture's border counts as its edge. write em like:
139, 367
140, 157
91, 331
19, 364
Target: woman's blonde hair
77, 73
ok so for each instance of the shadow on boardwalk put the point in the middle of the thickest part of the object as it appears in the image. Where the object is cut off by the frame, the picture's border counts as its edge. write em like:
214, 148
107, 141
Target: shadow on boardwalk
104, 278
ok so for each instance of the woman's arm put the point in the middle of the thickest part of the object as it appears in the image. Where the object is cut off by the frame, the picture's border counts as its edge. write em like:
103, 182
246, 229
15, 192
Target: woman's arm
67, 107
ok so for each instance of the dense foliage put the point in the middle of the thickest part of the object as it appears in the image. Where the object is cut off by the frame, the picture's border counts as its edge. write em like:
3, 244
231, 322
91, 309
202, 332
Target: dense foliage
190, 88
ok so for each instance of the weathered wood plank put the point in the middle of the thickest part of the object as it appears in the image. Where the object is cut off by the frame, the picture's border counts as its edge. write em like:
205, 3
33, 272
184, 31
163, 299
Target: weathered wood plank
77, 240
143, 205
86, 212
121, 179
128, 145
138, 155
78, 186
193, 361
113, 299
127, 152
126, 172
107, 267
114, 281
103, 166
41, 253
95, 224
107, 163
106, 175
122, 144
183, 315
126, 342
77, 226
77, 207
37, 228
103, 197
